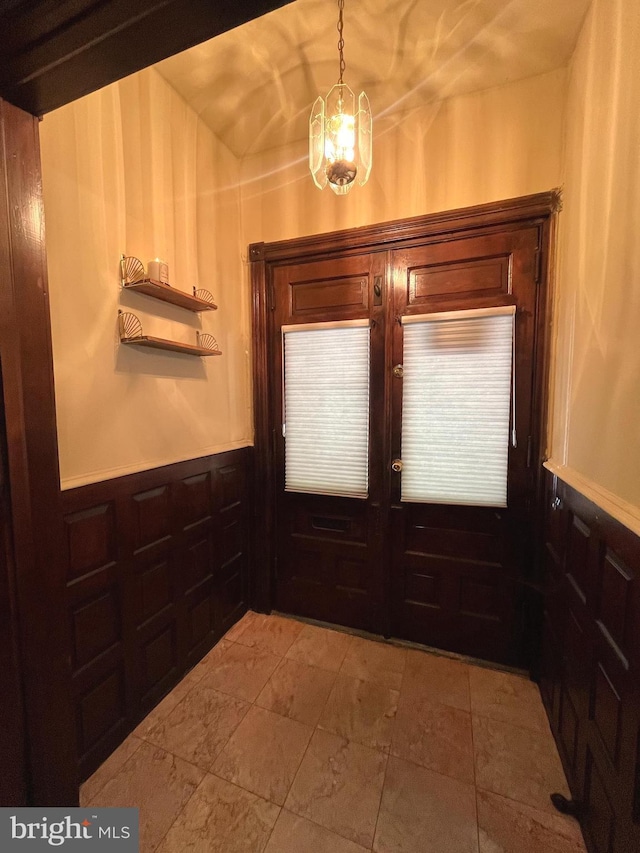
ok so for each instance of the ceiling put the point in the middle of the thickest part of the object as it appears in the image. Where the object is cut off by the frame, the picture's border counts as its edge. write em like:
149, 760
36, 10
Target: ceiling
254, 85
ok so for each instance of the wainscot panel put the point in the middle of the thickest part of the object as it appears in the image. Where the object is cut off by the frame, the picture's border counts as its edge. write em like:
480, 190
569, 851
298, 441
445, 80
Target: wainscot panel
157, 570
590, 676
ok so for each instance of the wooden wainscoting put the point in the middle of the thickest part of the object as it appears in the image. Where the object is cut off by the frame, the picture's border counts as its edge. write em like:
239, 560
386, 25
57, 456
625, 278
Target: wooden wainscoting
590, 676
157, 570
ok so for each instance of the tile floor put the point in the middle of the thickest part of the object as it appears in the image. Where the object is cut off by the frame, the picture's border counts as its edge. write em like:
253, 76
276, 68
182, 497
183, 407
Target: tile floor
289, 738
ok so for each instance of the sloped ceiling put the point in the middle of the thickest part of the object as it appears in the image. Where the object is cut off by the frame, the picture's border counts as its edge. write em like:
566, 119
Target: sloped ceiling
254, 85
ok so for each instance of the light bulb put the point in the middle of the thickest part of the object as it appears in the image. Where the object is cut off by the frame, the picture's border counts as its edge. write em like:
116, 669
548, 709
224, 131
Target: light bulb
340, 146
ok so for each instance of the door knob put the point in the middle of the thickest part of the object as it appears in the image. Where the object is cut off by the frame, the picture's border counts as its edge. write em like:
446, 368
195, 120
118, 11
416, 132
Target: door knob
396, 465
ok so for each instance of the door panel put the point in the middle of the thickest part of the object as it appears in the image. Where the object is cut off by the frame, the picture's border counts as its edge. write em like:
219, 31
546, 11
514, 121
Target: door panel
323, 290
326, 559
328, 556
450, 587
476, 271
436, 280
457, 571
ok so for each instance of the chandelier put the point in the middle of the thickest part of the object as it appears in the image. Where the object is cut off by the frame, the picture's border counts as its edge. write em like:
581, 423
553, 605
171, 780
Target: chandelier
340, 134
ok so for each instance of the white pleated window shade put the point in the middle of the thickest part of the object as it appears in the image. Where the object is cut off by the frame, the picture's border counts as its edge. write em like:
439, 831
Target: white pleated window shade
456, 398
326, 408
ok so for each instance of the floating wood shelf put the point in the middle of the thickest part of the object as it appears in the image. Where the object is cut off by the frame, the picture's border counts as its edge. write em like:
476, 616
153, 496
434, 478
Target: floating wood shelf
131, 335
132, 277
166, 293
170, 346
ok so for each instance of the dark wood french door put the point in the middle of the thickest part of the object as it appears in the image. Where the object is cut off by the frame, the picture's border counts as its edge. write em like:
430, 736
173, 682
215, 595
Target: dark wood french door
458, 573
329, 564
449, 576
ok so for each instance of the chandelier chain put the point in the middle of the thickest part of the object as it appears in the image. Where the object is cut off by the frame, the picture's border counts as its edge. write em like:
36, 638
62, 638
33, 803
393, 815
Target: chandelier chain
341, 40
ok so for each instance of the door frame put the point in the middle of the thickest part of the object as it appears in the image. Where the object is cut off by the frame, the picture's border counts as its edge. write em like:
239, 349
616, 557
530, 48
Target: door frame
539, 209
36, 567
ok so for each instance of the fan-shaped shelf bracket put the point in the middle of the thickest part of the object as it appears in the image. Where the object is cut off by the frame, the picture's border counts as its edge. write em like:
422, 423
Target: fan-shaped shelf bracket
205, 296
208, 342
133, 277
131, 334
132, 270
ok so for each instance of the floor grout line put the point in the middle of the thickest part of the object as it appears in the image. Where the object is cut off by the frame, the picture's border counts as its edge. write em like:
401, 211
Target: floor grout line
384, 783
193, 793
473, 759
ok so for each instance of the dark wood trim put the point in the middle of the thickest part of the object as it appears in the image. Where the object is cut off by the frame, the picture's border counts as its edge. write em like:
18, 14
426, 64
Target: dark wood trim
27, 364
590, 662
13, 750
399, 232
55, 53
75, 499
261, 592
535, 604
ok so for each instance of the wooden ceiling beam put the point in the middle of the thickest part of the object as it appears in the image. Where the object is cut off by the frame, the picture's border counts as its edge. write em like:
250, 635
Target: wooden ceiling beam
55, 52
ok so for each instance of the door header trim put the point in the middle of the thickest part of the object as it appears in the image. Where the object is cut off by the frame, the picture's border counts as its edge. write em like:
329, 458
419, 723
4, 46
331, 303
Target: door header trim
396, 233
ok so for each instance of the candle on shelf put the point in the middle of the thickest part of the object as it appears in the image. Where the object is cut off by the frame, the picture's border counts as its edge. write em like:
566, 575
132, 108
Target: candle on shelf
158, 270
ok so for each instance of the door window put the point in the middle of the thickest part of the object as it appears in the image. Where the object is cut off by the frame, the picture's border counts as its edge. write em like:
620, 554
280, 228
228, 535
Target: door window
326, 408
456, 400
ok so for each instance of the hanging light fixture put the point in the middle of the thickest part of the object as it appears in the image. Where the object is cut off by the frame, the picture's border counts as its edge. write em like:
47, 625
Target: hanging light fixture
340, 134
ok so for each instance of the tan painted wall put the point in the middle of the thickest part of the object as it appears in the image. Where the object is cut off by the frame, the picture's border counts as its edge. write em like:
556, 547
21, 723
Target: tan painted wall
131, 169
499, 143
596, 425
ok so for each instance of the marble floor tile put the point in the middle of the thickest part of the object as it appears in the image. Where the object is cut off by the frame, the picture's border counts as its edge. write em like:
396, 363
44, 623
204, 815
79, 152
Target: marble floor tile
108, 769
298, 691
199, 727
387, 769
380, 663
360, 711
435, 736
437, 679
221, 818
274, 634
295, 834
166, 706
424, 812
518, 763
320, 647
241, 671
236, 630
510, 827
507, 698
264, 754
157, 783
211, 659
339, 785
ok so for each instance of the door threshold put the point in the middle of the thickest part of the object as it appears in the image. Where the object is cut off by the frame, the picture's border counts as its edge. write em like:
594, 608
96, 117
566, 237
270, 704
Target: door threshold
407, 644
